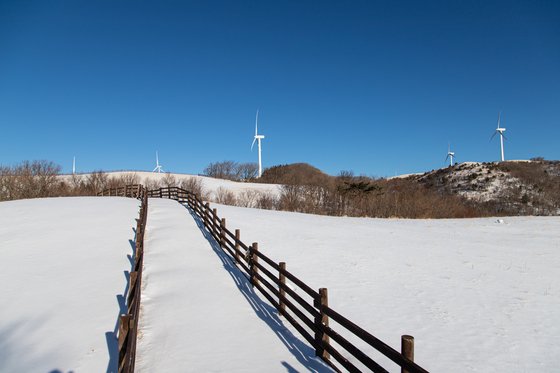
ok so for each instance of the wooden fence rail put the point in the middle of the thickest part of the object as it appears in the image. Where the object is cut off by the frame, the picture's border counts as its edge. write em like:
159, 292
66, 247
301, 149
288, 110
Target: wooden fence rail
128, 323
309, 313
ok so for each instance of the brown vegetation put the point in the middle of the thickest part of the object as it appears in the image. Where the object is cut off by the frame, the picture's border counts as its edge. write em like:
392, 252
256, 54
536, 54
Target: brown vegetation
230, 170
524, 188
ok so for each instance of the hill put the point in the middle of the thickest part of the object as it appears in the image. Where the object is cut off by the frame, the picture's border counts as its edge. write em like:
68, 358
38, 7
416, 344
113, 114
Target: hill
505, 188
427, 278
468, 189
63, 268
295, 173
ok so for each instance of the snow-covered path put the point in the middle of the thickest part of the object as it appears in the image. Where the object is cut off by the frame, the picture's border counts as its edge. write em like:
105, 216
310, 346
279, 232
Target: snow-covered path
199, 313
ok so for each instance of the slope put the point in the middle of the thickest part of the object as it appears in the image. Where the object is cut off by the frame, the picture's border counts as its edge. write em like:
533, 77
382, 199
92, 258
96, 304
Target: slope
199, 313
63, 276
478, 294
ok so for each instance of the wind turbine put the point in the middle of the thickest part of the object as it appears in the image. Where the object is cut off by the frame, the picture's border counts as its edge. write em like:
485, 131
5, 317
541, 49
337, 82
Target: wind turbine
158, 167
502, 136
258, 138
450, 155
74, 166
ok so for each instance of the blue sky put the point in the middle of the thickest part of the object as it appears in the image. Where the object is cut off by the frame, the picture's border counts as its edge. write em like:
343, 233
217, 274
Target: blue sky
377, 87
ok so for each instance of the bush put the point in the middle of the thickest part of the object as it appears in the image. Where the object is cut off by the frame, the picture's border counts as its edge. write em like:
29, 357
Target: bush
225, 197
194, 185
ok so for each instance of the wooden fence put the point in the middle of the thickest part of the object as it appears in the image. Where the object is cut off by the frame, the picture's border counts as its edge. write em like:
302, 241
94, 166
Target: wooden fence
133, 191
309, 313
128, 323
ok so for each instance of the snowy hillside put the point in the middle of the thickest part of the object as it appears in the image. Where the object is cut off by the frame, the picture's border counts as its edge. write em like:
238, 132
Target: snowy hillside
199, 314
62, 273
478, 295
511, 187
211, 186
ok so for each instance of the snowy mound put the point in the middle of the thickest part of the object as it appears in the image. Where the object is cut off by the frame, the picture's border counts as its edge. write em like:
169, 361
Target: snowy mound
478, 295
62, 270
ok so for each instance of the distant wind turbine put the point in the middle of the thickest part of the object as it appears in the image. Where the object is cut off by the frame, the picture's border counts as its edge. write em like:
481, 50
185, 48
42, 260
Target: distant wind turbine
158, 166
258, 138
500, 131
450, 155
74, 166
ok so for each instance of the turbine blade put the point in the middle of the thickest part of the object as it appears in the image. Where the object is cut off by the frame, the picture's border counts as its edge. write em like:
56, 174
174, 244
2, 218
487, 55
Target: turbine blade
504, 136
494, 134
253, 144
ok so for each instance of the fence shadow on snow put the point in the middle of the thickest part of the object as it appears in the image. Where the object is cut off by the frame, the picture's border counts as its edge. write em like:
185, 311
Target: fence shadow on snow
308, 311
268, 314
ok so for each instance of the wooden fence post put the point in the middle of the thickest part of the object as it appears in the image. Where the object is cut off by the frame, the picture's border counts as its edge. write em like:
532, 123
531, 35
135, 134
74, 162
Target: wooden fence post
124, 327
407, 349
253, 260
237, 246
132, 283
206, 211
215, 222
223, 233
321, 338
281, 291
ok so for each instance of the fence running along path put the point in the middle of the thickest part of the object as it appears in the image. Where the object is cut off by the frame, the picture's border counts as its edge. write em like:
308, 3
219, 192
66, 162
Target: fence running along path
309, 313
128, 323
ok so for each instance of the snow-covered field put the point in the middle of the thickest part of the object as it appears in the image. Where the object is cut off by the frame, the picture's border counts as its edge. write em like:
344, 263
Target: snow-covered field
199, 314
62, 281
478, 295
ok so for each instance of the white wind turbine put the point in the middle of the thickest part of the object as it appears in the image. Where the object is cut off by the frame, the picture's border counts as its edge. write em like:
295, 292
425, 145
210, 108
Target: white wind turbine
502, 136
158, 166
74, 166
258, 138
450, 155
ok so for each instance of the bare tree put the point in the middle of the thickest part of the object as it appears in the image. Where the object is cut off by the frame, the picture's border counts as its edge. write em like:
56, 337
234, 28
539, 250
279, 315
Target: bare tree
194, 185
96, 181
247, 171
168, 181
225, 197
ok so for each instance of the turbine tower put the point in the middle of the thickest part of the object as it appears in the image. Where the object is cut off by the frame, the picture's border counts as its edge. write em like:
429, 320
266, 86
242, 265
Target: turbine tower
158, 167
450, 155
500, 131
258, 138
74, 166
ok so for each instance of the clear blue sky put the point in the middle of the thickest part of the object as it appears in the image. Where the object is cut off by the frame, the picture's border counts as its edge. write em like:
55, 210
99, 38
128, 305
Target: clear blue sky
377, 87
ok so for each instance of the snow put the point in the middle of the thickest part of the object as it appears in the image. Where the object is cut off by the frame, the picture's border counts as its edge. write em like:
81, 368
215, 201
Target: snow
478, 295
404, 176
199, 313
62, 276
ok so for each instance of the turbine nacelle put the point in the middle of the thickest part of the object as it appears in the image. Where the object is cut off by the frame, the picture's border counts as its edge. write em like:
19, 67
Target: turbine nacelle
499, 130
450, 155
258, 138
158, 168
